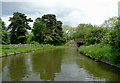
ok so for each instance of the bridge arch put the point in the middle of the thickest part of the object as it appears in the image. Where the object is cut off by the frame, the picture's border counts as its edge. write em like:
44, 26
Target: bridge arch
79, 42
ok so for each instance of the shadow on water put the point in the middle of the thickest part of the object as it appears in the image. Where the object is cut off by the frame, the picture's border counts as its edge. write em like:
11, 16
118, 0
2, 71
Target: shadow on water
60, 64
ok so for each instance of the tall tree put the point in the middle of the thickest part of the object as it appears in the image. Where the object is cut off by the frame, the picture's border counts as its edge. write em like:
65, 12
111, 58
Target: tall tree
81, 30
48, 30
3, 33
68, 31
39, 30
110, 23
53, 30
18, 28
59, 29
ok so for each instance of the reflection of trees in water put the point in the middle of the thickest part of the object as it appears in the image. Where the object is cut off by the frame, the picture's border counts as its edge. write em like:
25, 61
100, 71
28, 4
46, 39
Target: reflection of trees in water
98, 69
17, 68
3, 61
0, 65
46, 63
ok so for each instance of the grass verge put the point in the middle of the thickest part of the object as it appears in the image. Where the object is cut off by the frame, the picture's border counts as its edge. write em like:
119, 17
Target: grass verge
99, 51
7, 49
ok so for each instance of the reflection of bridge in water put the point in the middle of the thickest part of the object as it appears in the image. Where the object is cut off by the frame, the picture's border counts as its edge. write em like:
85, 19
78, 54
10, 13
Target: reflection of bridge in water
77, 42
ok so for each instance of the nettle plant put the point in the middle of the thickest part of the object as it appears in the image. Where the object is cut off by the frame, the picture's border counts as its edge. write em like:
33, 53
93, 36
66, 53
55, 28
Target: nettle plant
106, 38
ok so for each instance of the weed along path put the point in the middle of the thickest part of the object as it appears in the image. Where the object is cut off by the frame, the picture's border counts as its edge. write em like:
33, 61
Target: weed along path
56, 64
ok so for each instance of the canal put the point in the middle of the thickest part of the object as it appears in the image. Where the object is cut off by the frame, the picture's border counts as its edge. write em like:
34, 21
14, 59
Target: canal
57, 64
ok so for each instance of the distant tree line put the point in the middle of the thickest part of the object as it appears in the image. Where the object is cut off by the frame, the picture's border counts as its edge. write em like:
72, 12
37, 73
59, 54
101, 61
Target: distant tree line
48, 30
45, 30
106, 34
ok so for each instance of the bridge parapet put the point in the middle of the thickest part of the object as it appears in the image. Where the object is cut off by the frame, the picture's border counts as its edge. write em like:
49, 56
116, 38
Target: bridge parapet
79, 42
79, 39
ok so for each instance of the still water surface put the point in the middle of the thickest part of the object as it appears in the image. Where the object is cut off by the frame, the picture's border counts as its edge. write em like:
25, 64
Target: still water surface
60, 64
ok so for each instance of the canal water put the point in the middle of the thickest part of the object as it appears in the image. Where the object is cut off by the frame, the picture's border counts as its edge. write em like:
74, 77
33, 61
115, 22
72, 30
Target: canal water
58, 64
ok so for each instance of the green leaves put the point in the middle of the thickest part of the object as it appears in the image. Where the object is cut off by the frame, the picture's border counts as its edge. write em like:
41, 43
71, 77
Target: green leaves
48, 30
39, 30
68, 32
82, 30
18, 28
110, 23
4, 38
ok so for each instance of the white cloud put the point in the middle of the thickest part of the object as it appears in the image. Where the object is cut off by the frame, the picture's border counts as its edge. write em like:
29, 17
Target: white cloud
72, 12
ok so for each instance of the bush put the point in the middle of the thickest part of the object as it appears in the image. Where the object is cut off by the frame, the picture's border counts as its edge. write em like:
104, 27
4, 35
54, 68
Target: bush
112, 38
99, 51
34, 42
94, 35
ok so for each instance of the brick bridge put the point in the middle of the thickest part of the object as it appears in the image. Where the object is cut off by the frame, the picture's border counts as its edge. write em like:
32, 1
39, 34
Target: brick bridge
77, 42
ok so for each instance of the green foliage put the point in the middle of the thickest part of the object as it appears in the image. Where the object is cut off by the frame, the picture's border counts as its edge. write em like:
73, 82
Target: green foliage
3, 33
6, 49
115, 39
105, 41
99, 51
91, 34
34, 42
30, 38
68, 32
18, 28
110, 23
48, 30
94, 35
39, 30
112, 37
81, 30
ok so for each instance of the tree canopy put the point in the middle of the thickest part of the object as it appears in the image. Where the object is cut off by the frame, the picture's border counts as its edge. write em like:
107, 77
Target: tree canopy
18, 28
81, 30
68, 31
48, 30
111, 22
39, 30
3, 33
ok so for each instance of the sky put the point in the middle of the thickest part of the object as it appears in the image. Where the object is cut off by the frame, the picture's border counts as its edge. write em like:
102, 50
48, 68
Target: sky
70, 12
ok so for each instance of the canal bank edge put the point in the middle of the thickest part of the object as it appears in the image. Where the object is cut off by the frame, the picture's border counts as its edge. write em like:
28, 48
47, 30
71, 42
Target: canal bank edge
101, 60
5, 55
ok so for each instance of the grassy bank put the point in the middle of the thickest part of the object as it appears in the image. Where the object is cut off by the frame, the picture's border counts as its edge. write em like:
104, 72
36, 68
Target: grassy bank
7, 49
98, 52
18, 48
